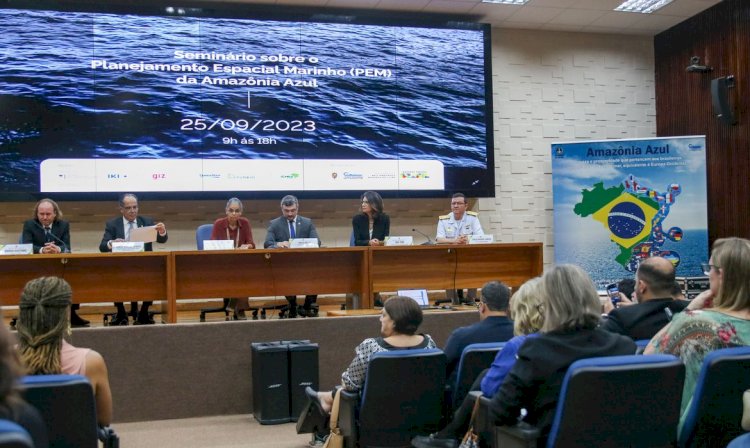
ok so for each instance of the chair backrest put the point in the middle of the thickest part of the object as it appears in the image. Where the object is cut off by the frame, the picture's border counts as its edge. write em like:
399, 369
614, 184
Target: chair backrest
352, 241
713, 417
402, 396
13, 435
203, 232
66, 403
474, 359
619, 401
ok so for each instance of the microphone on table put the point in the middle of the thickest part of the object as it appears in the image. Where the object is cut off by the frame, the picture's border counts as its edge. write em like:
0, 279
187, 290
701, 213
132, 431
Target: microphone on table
49, 236
429, 241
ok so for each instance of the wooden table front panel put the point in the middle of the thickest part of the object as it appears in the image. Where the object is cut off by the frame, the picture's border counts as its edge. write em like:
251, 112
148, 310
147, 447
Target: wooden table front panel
406, 267
269, 272
93, 277
512, 263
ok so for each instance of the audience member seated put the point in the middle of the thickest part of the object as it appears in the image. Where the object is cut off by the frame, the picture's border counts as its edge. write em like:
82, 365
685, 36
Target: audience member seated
654, 281
400, 319
12, 406
493, 326
237, 228
42, 329
569, 333
718, 318
525, 308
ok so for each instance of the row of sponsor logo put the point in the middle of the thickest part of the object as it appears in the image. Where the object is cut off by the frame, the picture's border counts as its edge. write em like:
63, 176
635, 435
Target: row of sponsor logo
83, 175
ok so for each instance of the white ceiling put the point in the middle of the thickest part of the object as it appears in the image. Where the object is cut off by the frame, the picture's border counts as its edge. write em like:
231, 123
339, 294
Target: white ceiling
594, 16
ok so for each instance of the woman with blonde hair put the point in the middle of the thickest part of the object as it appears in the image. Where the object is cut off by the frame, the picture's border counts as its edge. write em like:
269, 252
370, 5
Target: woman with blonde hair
718, 318
43, 328
525, 310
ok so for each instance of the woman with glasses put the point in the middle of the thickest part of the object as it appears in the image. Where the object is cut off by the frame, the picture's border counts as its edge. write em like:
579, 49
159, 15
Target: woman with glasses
718, 318
371, 225
237, 228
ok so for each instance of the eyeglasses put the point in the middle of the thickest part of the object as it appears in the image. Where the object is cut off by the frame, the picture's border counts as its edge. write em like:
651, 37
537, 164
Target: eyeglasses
707, 268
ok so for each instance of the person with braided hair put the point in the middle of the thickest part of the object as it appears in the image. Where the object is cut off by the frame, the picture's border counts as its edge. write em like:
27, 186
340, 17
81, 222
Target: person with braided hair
43, 328
12, 406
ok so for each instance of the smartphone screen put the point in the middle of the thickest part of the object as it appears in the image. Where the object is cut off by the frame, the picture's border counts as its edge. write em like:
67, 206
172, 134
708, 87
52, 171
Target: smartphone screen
614, 294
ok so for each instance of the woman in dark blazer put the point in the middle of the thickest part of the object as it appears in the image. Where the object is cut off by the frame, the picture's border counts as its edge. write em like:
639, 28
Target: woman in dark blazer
371, 225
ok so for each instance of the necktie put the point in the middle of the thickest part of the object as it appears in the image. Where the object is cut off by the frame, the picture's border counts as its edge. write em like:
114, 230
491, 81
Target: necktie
292, 233
47, 235
131, 226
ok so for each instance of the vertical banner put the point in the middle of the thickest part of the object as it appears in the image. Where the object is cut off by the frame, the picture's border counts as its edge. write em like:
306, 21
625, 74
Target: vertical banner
618, 202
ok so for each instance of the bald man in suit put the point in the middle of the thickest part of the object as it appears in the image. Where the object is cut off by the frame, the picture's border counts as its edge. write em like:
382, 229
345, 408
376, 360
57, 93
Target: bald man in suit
118, 230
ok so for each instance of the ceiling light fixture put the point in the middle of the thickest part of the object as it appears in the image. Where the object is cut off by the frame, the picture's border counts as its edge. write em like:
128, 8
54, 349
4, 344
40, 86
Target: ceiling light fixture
507, 2
643, 6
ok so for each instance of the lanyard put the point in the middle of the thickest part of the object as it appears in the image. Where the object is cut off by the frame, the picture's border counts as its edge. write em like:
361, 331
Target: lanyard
236, 237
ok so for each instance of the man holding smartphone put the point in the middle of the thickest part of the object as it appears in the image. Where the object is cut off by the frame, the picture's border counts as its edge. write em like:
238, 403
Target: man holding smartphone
654, 281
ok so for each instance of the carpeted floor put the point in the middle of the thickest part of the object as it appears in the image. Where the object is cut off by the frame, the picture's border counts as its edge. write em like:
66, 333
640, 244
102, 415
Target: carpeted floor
222, 431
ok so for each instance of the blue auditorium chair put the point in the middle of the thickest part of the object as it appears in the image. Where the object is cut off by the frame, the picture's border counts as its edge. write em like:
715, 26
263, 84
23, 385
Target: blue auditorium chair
13, 435
607, 402
474, 359
68, 407
714, 415
742, 441
402, 397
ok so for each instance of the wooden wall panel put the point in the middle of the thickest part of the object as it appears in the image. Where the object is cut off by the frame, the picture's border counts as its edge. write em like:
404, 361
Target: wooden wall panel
720, 36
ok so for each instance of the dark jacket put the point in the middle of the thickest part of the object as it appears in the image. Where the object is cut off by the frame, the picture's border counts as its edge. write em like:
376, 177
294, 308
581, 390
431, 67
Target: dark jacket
535, 381
491, 329
33, 233
115, 229
642, 320
381, 228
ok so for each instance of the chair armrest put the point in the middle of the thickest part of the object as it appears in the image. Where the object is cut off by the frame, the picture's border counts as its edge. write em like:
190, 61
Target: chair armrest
522, 435
108, 437
348, 414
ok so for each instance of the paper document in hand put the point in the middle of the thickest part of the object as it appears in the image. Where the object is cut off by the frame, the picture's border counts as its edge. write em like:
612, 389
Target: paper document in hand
143, 234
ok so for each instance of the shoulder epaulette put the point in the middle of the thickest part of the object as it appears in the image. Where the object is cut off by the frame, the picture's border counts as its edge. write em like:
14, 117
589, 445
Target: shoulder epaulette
472, 213
442, 217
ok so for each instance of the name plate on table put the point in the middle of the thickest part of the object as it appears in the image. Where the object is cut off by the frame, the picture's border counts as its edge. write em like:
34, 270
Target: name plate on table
399, 241
16, 249
218, 244
127, 246
481, 239
303, 243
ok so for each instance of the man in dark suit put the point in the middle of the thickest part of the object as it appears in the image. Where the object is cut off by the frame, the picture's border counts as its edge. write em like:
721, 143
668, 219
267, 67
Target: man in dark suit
284, 228
50, 234
118, 230
654, 281
494, 325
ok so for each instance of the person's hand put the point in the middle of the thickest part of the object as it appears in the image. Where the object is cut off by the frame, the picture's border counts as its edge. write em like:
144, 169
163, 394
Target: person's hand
283, 244
607, 306
463, 239
246, 246
51, 248
161, 228
375, 242
625, 301
703, 300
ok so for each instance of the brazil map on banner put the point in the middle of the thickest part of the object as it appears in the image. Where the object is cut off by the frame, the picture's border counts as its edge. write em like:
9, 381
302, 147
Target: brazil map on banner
618, 202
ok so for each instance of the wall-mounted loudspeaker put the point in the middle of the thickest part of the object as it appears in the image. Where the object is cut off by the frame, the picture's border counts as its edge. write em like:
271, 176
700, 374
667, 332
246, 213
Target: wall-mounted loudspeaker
720, 99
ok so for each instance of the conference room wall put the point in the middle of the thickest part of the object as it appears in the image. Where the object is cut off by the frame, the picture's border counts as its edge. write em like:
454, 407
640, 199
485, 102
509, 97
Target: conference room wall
548, 86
